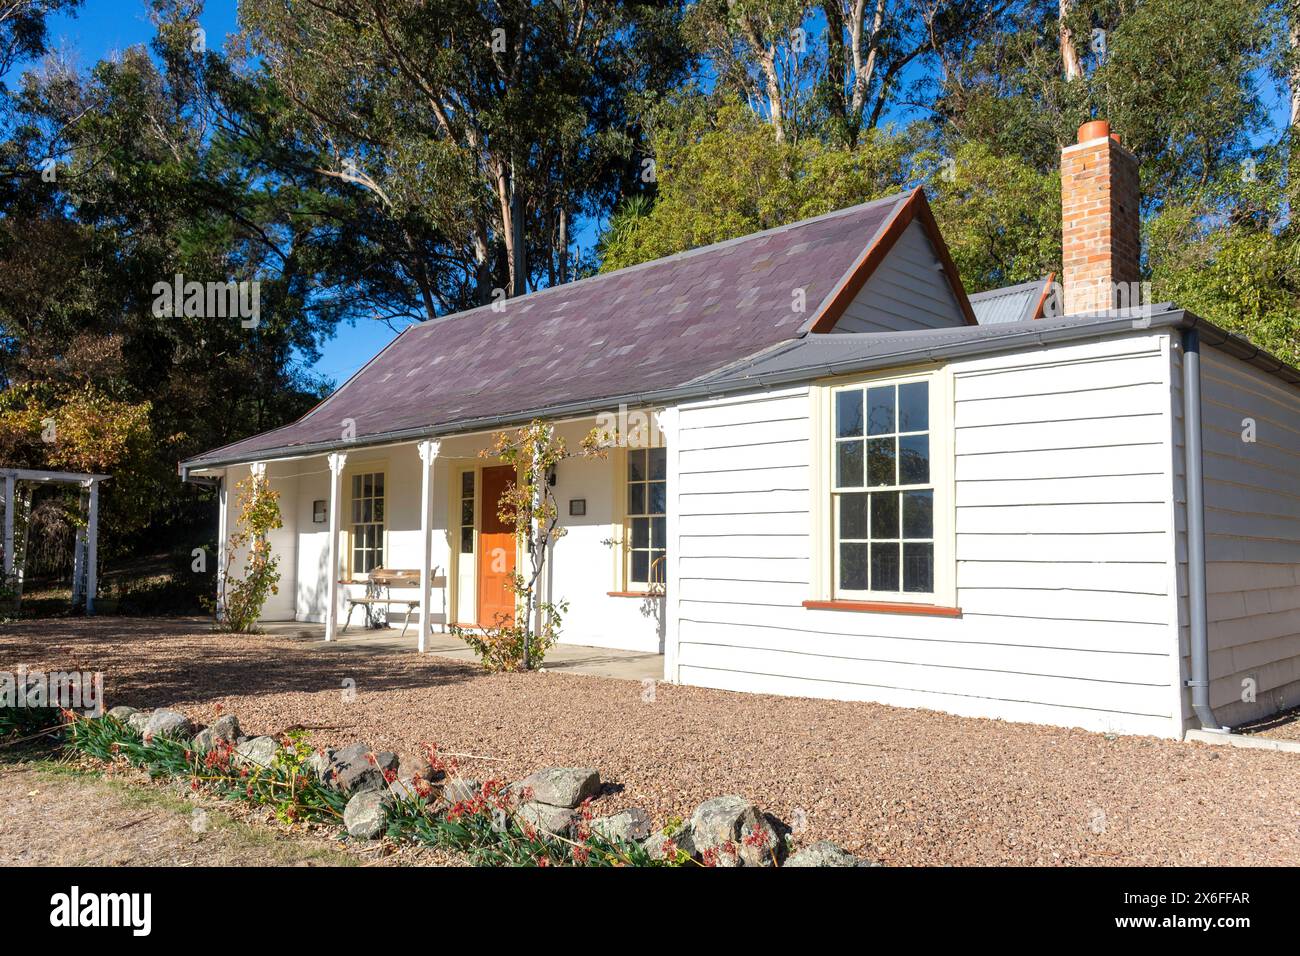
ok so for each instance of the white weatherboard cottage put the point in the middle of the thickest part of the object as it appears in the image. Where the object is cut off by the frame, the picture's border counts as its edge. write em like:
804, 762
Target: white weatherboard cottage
1091, 520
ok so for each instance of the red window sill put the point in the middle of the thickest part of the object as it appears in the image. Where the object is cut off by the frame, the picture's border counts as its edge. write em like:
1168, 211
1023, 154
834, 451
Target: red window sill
632, 594
882, 607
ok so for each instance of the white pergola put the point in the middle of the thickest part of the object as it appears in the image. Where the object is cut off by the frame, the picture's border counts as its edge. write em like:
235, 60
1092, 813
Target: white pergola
86, 548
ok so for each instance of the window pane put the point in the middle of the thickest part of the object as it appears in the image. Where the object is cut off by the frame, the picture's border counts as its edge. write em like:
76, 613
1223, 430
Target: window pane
848, 464
367, 485
356, 486
640, 566
379, 509
466, 540
658, 463
918, 567
636, 465
884, 515
368, 509
379, 550
657, 498
914, 407
358, 558
640, 532
467, 511
659, 567
914, 459
658, 532
356, 511
880, 411
884, 567
853, 567
467, 484
379, 485
918, 514
848, 414
880, 461
636, 499
853, 516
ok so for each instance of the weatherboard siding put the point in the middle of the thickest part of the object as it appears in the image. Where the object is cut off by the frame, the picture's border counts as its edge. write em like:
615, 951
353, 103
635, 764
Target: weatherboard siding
1063, 550
1252, 537
906, 291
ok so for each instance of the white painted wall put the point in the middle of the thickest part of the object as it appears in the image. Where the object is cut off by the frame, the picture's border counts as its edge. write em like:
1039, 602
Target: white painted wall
907, 291
583, 563
282, 478
1252, 539
1064, 550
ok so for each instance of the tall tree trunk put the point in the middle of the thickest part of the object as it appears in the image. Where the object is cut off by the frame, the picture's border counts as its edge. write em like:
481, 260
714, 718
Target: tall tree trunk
517, 247
563, 244
767, 59
1293, 43
1070, 64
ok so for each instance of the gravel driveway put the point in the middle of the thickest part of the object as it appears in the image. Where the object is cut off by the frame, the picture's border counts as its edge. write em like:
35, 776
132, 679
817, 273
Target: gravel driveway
906, 787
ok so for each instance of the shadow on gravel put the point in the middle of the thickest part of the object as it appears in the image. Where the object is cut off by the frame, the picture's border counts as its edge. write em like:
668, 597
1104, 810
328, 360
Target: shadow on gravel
190, 662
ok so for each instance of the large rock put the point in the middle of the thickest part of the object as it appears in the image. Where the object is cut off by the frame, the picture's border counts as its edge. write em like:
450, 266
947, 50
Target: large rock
559, 786
551, 819
256, 753
319, 763
628, 826
167, 723
461, 790
413, 765
735, 830
822, 853
222, 730
365, 814
121, 713
657, 845
352, 770
138, 720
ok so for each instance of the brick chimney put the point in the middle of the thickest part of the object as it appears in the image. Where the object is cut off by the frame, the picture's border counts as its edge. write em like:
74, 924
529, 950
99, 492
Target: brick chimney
1100, 231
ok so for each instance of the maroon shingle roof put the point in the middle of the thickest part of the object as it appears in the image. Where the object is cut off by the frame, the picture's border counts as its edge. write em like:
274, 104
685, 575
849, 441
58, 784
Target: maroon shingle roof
648, 327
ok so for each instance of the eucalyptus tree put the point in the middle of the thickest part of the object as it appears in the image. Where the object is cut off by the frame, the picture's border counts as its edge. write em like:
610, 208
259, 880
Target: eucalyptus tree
476, 130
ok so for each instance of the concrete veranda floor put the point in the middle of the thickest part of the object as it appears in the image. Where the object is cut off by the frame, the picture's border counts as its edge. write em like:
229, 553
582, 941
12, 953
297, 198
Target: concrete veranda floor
574, 658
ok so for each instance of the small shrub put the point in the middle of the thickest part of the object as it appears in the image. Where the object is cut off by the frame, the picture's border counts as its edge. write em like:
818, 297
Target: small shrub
243, 598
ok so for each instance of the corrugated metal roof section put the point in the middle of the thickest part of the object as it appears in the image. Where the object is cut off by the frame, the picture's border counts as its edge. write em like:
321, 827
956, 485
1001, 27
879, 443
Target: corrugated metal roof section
837, 352
645, 328
1013, 303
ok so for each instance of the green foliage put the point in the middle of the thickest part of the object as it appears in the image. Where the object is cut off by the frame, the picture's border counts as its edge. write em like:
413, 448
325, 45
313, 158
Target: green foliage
242, 598
1231, 254
1000, 217
726, 175
287, 785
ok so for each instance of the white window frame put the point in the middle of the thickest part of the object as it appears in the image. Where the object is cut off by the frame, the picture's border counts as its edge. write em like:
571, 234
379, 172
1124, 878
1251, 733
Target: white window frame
825, 557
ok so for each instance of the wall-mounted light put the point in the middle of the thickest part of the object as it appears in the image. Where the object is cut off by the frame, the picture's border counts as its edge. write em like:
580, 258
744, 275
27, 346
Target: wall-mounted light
577, 507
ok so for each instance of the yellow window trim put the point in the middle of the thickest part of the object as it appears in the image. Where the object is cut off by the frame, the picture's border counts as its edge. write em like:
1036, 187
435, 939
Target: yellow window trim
378, 466
942, 475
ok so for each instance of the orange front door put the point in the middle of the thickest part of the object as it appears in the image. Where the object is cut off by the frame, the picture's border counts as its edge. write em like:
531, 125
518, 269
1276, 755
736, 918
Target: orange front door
496, 559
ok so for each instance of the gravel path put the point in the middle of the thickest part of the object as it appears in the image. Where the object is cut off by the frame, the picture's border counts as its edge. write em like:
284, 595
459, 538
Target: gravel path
903, 786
